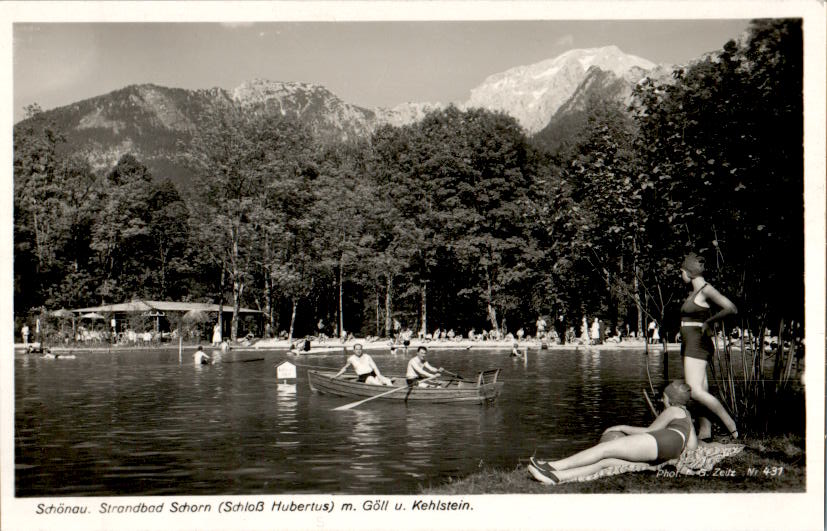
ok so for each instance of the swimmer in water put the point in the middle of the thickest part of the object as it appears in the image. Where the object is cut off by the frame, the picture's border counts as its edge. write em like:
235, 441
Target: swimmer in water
200, 357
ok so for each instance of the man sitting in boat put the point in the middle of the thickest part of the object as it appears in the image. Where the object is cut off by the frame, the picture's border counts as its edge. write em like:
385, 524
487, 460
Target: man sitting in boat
418, 368
365, 367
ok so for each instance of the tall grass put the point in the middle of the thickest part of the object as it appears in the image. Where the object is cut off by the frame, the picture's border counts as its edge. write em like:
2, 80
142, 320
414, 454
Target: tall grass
765, 395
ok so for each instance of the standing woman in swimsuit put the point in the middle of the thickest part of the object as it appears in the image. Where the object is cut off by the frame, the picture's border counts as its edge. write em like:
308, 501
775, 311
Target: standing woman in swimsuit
696, 340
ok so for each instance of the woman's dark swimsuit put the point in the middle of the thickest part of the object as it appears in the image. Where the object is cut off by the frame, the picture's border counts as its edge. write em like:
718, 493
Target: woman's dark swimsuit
694, 343
672, 439
364, 377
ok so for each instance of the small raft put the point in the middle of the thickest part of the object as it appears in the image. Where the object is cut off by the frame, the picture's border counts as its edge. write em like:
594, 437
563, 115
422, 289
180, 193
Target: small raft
446, 389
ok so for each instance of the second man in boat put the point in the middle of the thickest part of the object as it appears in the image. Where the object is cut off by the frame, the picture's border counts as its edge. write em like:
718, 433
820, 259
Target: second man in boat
418, 368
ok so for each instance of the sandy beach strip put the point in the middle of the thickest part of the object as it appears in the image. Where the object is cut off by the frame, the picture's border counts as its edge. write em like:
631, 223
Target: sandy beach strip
333, 346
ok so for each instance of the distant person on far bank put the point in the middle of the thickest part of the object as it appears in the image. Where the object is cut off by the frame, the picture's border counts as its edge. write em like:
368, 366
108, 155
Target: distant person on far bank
365, 368
419, 368
696, 340
541, 327
200, 357
406, 335
216, 335
560, 328
25, 333
595, 332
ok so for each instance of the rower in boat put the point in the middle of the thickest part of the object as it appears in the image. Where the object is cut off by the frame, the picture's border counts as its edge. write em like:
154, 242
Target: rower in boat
365, 368
418, 368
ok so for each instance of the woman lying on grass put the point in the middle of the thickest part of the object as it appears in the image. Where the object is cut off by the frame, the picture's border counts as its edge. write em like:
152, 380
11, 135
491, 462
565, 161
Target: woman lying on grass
665, 439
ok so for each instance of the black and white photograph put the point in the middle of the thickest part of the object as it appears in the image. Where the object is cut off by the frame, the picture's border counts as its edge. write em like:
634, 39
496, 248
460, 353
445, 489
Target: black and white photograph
405, 265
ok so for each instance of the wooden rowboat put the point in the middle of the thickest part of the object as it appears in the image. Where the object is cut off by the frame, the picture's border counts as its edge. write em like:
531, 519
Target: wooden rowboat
236, 356
446, 389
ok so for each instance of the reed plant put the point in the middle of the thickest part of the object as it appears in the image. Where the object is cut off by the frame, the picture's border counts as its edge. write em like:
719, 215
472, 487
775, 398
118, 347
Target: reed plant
765, 394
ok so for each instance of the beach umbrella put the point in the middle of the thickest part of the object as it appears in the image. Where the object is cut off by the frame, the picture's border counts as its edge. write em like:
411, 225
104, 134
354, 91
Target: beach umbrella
196, 316
91, 315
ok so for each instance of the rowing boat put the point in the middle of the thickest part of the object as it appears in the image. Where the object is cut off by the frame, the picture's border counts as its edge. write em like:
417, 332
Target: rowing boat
316, 350
484, 388
235, 356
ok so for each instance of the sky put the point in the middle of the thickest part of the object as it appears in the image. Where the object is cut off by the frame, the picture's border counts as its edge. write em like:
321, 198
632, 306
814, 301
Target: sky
364, 63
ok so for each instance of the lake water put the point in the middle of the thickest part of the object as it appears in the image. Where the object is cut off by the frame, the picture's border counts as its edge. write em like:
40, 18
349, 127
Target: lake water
140, 423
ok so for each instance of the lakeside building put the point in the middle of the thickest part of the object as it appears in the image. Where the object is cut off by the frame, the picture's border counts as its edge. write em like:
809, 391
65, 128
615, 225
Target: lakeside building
167, 315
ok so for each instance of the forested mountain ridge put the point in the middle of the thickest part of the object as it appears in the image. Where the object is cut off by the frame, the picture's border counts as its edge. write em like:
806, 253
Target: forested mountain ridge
597, 88
154, 123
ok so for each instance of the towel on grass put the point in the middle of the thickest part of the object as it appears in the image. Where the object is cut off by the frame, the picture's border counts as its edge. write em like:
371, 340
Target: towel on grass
691, 462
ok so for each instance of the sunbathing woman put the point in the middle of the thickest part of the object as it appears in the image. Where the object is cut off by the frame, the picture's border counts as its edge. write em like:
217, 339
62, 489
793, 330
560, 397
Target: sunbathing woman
665, 439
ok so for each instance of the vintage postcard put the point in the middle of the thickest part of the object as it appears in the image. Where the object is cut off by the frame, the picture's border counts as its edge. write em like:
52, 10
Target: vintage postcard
414, 265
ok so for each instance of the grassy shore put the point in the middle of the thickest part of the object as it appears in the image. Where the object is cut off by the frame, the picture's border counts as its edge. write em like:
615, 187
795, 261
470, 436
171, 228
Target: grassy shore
778, 463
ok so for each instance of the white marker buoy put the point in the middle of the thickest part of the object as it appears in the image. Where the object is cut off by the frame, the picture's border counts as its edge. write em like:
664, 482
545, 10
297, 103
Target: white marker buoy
285, 371
286, 378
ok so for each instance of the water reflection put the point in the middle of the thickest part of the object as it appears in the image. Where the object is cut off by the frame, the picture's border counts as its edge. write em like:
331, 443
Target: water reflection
286, 404
367, 443
141, 423
365, 428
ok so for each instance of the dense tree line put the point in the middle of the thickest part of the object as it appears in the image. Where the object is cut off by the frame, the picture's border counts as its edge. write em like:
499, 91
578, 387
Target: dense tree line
458, 221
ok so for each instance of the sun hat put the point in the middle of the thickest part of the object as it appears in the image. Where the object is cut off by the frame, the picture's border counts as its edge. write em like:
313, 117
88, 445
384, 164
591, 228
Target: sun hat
678, 392
693, 264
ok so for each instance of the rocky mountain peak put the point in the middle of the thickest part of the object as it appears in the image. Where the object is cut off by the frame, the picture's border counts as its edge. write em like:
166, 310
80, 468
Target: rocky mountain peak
533, 93
258, 91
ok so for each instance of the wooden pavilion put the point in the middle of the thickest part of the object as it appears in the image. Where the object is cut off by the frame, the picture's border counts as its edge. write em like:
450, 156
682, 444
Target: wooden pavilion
166, 314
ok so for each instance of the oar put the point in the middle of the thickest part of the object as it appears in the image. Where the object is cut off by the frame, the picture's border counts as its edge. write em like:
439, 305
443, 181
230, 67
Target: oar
455, 375
360, 402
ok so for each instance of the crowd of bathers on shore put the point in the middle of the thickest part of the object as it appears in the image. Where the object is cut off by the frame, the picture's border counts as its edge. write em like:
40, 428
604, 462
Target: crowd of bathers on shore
596, 333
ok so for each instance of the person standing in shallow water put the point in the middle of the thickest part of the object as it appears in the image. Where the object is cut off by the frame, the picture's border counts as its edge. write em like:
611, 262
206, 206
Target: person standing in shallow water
200, 357
696, 340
